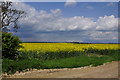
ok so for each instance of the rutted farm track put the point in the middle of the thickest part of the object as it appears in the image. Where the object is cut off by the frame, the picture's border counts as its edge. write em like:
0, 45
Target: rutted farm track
107, 70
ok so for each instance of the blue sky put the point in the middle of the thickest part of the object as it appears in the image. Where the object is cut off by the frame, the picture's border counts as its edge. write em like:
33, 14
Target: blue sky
87, 9
66, 22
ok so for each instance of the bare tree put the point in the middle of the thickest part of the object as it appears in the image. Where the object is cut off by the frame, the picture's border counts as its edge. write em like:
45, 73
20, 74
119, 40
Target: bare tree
9, 16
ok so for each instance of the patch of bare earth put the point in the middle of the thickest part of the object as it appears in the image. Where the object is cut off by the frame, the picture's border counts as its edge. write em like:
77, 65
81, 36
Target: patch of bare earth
108, 70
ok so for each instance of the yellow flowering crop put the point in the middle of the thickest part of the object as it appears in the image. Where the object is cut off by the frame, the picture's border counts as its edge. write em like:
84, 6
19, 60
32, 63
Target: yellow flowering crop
46, 47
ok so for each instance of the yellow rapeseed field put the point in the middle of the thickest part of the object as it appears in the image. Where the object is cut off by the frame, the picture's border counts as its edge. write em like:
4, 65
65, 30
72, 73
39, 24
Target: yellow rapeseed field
45, 47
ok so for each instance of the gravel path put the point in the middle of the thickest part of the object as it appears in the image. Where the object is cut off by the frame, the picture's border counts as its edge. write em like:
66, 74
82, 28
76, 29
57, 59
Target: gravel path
108, 70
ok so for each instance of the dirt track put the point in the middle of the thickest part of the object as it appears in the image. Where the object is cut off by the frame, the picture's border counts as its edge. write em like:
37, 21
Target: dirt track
108, 70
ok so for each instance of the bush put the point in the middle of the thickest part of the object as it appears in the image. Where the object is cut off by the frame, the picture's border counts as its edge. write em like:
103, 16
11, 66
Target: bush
10, 45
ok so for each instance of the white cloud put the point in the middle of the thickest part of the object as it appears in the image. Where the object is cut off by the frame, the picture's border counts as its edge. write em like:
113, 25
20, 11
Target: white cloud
99, 35
71, 3
41, 20
37, 21
107, 23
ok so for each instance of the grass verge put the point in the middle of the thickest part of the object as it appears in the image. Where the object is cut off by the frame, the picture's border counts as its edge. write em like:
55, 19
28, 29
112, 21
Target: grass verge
11, 66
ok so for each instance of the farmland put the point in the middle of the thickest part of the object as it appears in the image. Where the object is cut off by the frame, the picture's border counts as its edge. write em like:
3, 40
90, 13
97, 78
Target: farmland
44, 47
60, 55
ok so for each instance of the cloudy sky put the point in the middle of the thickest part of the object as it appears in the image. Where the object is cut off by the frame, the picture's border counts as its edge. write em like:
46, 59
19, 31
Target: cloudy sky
94, 22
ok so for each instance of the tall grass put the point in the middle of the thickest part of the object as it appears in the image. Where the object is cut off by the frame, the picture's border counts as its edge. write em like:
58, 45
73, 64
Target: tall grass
59, 59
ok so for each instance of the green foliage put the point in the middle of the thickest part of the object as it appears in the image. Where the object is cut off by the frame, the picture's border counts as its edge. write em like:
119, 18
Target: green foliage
65, 54
10, 45
30, 60
48, 55
11, 66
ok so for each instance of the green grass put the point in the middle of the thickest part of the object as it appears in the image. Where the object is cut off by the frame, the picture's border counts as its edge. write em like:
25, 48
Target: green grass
75, 62
32, 60
72, 62
11, 66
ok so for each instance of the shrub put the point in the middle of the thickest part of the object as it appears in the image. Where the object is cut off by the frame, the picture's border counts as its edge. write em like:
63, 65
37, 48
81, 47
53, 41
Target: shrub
10, 45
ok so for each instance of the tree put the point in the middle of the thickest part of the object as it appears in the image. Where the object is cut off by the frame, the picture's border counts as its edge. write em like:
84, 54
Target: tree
10, 46
10, 43
9, 16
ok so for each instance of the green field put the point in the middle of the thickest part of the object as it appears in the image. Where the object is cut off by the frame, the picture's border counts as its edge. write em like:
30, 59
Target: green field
60, 55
